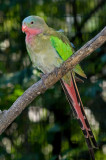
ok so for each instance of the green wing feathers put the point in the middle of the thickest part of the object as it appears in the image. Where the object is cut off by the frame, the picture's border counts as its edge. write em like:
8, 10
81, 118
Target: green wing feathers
79, 71
64, 50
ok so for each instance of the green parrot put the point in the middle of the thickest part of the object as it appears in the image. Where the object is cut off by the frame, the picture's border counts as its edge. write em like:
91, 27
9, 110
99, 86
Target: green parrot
48, 49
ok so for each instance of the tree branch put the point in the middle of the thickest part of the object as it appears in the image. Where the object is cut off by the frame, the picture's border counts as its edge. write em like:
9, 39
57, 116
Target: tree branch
8, 116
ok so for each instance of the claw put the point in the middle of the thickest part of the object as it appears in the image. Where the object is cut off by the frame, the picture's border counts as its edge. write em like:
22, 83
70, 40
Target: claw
56, 71
41, 75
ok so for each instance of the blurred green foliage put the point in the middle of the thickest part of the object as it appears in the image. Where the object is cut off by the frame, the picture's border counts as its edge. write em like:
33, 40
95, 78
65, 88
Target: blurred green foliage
47, 130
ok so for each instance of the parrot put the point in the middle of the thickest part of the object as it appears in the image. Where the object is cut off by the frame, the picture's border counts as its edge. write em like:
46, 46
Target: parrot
48, 49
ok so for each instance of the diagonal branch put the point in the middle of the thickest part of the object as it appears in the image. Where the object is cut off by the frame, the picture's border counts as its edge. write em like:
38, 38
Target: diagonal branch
8, 116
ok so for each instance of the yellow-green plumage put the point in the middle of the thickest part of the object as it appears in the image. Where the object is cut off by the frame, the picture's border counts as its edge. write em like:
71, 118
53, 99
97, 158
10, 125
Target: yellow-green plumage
49, 49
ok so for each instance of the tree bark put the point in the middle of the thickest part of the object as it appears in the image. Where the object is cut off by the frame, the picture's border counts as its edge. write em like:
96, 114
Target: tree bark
8, 116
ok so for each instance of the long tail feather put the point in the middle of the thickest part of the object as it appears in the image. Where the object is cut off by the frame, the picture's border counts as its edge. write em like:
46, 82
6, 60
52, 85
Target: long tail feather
74, 100
85, 118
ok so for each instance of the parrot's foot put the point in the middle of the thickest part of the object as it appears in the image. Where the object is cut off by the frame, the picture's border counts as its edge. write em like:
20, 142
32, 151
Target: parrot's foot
43, 78
41, 75
56, 71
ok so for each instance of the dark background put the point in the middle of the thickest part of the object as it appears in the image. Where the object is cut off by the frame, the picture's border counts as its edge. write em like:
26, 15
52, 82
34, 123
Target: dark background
46, 129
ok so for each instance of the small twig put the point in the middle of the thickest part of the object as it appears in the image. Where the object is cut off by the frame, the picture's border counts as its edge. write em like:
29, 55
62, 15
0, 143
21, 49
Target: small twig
48, 80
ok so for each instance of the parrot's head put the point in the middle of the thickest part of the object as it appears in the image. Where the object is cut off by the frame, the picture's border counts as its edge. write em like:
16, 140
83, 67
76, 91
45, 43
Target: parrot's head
33, 25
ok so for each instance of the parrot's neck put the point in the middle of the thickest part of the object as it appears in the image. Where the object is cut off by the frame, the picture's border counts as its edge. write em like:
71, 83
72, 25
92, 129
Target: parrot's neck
29, 37
31, 32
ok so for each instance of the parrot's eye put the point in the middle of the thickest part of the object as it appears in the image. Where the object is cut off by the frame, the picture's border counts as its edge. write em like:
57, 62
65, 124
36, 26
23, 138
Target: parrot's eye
32, 22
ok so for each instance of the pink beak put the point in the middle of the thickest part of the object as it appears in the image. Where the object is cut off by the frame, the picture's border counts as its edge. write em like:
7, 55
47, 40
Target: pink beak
24, 28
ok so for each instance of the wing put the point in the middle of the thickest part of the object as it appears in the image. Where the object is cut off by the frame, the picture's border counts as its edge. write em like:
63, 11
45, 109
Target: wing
65, 50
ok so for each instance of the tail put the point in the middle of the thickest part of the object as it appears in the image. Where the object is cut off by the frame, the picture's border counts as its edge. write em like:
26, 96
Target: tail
74, 100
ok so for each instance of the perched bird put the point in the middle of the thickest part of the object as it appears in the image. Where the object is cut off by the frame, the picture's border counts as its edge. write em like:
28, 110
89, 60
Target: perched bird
48, 49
